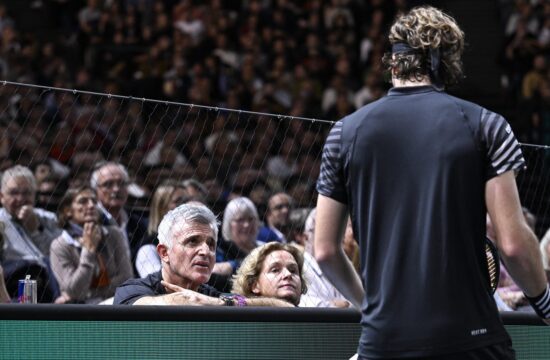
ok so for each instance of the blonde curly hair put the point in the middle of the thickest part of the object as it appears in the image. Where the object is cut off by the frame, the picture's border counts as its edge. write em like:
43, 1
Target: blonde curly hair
251, 267
425, 29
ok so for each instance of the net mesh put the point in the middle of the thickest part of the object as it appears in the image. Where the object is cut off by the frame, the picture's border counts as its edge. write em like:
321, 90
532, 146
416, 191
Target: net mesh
214, 154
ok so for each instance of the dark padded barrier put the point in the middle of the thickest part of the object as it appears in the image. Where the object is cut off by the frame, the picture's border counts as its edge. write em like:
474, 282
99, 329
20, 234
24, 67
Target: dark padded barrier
174, 313
169, 332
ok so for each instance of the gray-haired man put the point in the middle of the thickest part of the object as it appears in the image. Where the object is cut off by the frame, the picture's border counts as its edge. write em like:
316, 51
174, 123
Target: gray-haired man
26, 231
187, 248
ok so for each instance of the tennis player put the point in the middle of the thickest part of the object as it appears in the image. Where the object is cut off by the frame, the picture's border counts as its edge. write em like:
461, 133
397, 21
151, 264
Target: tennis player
417, 170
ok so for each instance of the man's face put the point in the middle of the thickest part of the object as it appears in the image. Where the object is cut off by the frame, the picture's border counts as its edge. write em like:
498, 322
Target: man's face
279, 278
191, 258
17, 193
112, 187
279, 210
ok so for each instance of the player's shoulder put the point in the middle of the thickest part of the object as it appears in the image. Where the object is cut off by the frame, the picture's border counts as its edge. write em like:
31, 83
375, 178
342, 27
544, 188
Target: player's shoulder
360, 114
462, 103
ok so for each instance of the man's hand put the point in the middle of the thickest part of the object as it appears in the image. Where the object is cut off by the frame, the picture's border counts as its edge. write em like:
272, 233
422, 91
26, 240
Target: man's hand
28, 218
181, 296
340, 303
63, 298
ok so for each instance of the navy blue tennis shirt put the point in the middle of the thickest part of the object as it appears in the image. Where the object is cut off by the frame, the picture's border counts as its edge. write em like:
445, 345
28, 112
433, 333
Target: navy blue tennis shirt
412, 168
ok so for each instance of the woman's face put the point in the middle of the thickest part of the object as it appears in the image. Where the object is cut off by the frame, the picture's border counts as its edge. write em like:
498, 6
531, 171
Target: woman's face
279, 277
84, 208
244, 230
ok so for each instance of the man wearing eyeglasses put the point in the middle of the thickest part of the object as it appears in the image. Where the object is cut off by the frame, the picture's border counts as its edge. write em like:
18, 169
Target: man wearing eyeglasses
277, 218
110, 180
26, 233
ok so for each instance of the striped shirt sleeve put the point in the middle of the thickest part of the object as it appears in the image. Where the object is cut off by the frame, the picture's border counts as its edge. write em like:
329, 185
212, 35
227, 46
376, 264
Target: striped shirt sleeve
504, 151
331, 182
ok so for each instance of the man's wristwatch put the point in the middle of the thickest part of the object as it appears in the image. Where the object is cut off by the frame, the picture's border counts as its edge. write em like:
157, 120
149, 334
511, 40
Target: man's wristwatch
233, 300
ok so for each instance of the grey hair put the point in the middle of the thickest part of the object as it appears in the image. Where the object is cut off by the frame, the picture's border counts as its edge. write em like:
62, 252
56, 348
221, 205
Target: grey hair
185, 214
101, 165
237, 206
18, 171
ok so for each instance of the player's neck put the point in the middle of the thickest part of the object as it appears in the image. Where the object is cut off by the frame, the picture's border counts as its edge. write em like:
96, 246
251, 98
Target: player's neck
408, 83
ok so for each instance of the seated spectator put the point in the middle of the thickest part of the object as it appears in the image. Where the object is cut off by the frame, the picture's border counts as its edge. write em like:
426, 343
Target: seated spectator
167, 197
277, 218
187, 247
351, 247
4, 296
259, 192
508, 291
298, 219
27, 233
273, 270
321, 291
89, 260
284, 165
50, 190
239, 231
195, 190
168, 142
110, 180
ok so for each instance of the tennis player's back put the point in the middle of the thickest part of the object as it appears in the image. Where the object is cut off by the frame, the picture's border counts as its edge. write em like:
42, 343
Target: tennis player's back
416, 167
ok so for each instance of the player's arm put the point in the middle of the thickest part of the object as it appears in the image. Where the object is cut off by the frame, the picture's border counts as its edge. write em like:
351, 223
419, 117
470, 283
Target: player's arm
330, 225
516, 242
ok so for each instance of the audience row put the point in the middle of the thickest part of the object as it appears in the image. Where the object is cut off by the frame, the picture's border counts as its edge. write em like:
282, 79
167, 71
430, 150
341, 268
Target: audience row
92, 245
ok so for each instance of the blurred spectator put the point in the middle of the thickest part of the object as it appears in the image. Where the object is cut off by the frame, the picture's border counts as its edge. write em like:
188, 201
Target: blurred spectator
4, 295
298, 226
27, 233
534, 77
160, 153
277, 227
508, 291
89, 260
195, 191
321, 292
50, 190
540, 115
240, 228
169, 195
110, 181
351, 247
284, 165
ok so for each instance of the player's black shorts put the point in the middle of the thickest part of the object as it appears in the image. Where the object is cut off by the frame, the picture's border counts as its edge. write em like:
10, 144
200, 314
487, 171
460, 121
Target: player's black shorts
501, 351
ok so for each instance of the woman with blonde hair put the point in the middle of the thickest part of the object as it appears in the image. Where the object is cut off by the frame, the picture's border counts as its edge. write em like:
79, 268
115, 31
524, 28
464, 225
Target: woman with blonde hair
272, 270
167, 196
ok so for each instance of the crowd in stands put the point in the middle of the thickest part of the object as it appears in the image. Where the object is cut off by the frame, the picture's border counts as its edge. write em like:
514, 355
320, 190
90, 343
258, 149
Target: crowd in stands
89, 248
77, 157
313, 59
525, 60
